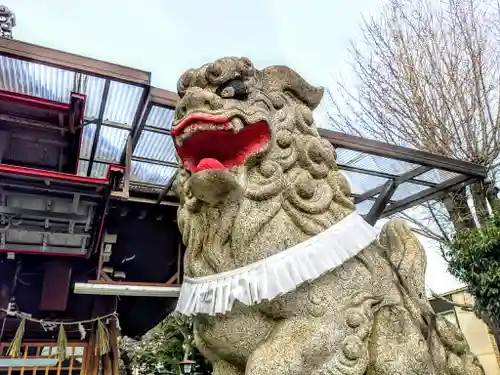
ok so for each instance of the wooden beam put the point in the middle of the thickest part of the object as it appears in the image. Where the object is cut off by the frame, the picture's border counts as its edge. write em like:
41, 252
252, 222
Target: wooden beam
65, 60
127, 289
163, 98
128, 166
129, 283
4, 299
106, 277
173, 279
92, 357
108, 366
115, 352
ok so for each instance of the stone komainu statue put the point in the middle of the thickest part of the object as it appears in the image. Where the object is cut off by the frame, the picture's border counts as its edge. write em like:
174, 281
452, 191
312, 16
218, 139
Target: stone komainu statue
281, 275
7, 22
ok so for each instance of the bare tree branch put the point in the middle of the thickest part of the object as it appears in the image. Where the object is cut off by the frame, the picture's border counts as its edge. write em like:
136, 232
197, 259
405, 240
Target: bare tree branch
427, 76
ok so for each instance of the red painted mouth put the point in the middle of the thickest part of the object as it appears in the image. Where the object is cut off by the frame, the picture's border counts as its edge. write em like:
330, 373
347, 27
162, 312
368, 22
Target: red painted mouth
207, 142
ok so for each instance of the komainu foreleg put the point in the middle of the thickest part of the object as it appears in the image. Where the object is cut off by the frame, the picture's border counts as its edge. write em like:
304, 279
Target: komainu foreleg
445, 343
334, 343
222, 367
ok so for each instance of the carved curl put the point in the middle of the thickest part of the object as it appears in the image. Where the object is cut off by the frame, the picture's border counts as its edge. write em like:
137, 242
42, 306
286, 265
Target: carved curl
216, 73
282, 78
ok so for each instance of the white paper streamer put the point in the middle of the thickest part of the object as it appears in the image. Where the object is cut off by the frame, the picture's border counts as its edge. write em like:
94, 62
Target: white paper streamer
278, 274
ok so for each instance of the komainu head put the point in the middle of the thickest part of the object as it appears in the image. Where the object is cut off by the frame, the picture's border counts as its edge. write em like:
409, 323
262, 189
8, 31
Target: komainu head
226, 112
251, 156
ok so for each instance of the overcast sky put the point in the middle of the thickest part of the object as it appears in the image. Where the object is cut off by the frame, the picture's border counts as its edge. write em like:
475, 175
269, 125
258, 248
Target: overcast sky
167, 37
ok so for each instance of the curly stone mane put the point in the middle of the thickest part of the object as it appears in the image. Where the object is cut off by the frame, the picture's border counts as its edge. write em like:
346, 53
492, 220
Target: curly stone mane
258, 179
295, 182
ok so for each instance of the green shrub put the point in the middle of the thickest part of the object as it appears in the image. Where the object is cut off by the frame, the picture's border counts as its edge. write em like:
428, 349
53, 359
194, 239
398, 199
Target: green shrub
474, 258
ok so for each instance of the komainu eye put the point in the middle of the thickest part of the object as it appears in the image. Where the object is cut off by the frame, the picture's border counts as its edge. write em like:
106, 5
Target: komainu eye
228, 92
233, 89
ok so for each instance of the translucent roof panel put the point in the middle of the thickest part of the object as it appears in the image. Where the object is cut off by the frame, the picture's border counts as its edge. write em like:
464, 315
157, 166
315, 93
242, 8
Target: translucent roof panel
155, 146
120, 110
93, 88
123, 103
111, 144
364, 207
372, 162
83, 166
361, 183
34, 79
160, 117
437, 176
150, 173
88, 135
406, 189
99, 170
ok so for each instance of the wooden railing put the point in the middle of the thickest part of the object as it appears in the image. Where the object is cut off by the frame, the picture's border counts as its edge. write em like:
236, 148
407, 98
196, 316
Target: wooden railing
72, 365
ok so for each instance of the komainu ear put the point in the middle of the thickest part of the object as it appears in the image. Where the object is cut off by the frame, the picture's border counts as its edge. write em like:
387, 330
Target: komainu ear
282, 78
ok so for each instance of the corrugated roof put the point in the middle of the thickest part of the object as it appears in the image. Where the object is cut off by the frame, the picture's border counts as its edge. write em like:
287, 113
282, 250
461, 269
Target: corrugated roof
35, 79
154, 153
122, 104
155, 146
160, 117
151, 173
437, 176
88, 135
406, 189
111, 144
361, 183
372, 162
364, 207
94, 88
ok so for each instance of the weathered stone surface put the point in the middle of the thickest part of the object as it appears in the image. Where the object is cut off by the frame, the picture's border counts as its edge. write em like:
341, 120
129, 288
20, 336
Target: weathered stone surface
7, 22
369, 316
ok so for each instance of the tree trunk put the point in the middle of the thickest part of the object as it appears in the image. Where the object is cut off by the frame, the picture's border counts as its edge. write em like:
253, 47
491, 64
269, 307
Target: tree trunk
494, 325
459, 211
126, 362
491, 194
478, 192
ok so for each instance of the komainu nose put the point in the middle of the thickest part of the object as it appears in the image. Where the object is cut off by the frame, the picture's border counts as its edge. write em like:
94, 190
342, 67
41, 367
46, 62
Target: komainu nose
197, 100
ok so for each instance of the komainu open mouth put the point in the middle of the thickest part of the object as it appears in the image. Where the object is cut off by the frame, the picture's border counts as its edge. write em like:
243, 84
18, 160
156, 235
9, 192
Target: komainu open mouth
207, 142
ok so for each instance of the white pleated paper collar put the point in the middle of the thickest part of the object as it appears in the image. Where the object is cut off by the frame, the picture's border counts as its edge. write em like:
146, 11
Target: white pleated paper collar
279, 273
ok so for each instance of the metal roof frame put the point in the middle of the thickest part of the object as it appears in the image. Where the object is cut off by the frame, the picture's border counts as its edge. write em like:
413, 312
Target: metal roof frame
159, 98
382, 196
383, 206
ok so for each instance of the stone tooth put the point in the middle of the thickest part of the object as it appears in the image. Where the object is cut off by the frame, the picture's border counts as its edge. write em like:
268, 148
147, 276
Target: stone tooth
237, 124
